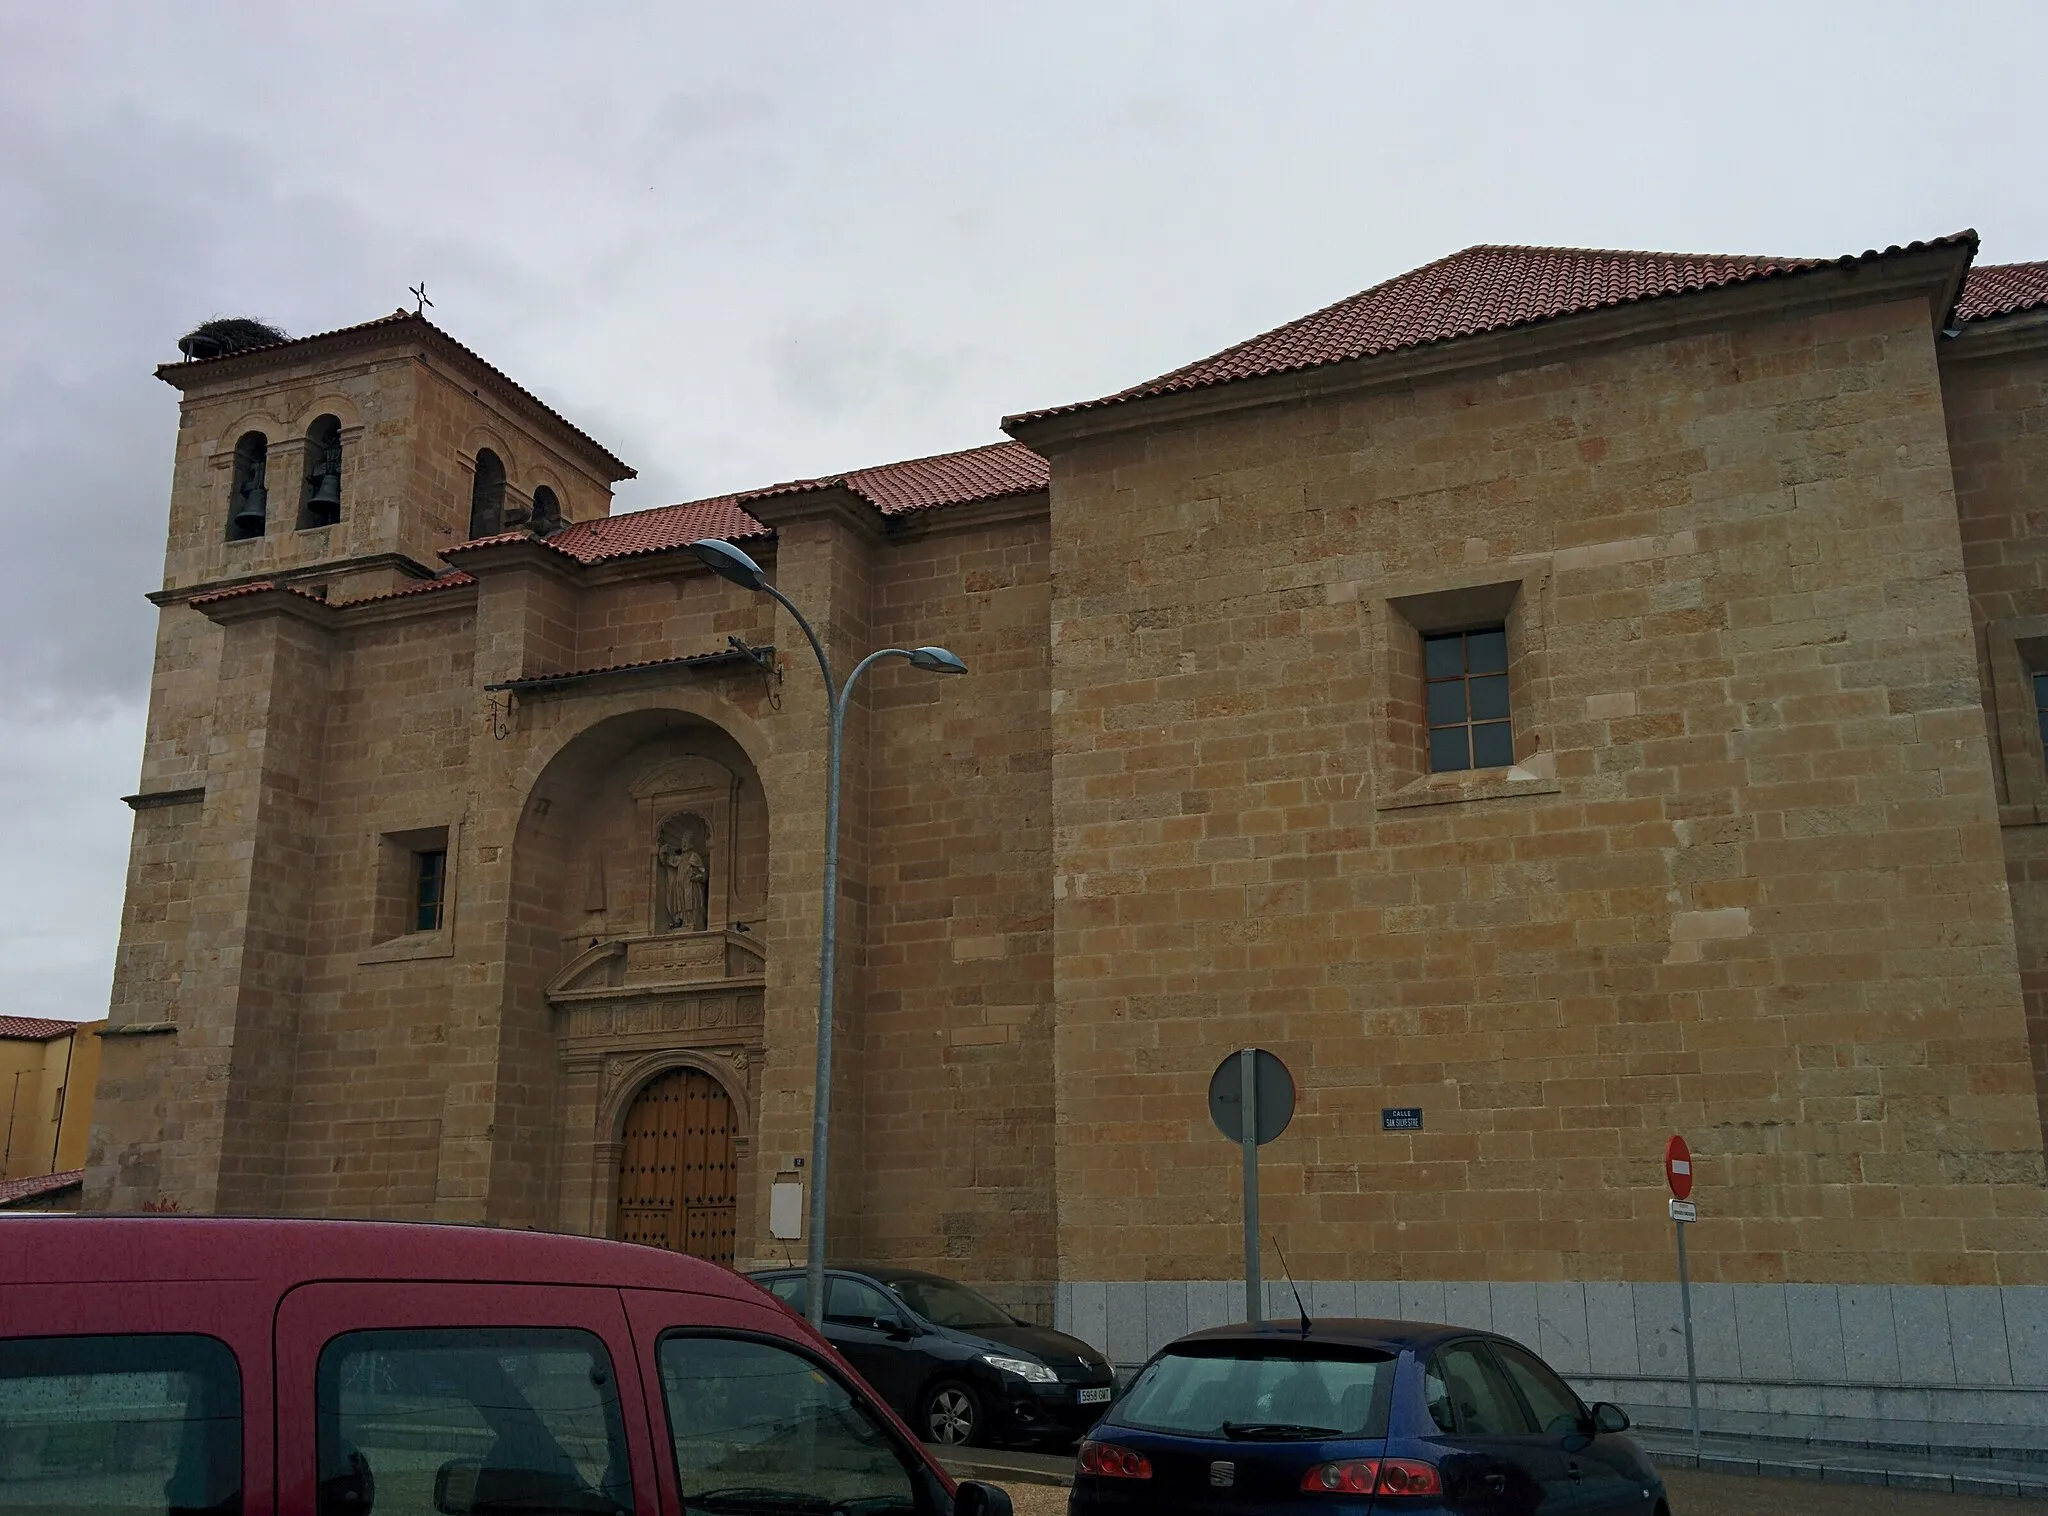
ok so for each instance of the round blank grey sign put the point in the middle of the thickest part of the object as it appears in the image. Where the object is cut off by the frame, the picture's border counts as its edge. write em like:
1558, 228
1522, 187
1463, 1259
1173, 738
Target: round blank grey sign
1271, 1083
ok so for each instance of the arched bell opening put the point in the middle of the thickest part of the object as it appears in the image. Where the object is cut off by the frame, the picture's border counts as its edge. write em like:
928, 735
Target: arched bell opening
320, 493
487, 496
546, 518
248, 498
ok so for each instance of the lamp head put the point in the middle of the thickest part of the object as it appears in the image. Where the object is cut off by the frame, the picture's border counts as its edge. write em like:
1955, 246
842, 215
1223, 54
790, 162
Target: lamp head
936, 660
728, 562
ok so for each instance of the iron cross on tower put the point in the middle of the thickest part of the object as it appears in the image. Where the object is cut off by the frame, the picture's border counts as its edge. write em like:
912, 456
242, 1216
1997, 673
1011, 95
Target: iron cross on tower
419, 294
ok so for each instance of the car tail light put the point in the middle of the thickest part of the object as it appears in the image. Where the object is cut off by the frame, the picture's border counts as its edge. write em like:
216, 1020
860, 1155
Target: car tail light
1374, 1476
1109, 1461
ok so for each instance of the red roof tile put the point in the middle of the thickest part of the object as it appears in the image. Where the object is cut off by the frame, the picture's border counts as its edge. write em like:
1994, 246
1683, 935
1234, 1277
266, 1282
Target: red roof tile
35, 1028
2002, 289
39, 1186
656, 531
176, 373
1482, 289
923, 484
893, 489
452, 580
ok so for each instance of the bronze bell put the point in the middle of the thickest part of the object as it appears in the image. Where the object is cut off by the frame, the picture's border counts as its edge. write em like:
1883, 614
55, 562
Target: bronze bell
326, 498
252, 511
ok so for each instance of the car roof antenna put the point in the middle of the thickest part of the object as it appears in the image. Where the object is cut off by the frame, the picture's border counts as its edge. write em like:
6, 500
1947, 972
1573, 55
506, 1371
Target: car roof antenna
1292, 1285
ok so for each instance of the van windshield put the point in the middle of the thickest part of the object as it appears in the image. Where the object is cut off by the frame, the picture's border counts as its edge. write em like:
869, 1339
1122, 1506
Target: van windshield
1256, 1392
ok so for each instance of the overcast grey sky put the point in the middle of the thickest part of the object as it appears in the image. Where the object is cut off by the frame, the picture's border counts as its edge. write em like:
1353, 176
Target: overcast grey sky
741, 243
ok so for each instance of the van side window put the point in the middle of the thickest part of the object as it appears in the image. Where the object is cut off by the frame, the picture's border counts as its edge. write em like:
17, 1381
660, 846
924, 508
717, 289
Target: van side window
470, 1419
747, 1414
124, 1425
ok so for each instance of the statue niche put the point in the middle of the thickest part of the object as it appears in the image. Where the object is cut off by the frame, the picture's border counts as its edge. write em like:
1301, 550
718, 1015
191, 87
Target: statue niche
682, 874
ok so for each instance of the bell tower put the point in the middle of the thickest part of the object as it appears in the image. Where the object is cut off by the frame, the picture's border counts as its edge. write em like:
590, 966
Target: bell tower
342, 464
311, 476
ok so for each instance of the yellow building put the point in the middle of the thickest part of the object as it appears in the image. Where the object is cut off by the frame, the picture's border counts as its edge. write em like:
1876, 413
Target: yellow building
47, 1073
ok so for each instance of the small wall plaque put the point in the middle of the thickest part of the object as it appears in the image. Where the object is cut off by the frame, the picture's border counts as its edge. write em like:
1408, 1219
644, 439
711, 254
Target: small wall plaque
1401, 1118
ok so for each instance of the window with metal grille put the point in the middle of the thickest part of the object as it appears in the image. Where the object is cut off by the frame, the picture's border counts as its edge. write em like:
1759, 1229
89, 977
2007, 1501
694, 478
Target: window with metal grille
1467, 700
429, 887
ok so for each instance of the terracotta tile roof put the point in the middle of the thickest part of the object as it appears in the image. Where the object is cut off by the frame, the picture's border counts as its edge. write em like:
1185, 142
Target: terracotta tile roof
893, 489
177, 373
656, 531
35, 1028
924, 484
39, 1186
259, 587
728, 654
1482, 289
454, 579
2003, 289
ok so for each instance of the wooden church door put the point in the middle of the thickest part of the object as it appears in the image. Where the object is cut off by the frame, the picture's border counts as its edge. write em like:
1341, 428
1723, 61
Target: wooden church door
678, 1184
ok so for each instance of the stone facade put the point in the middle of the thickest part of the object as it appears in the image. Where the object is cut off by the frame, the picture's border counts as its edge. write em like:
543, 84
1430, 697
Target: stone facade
1769, 565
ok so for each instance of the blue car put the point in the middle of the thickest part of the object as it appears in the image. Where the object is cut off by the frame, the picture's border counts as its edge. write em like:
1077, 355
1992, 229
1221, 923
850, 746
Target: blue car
1349, 1416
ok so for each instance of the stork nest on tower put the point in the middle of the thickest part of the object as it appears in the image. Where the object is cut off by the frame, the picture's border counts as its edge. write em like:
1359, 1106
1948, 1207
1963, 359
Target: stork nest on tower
228, 334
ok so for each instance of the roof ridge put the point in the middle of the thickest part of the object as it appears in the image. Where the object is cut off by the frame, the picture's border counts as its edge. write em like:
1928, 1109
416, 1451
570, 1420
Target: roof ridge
1503, 286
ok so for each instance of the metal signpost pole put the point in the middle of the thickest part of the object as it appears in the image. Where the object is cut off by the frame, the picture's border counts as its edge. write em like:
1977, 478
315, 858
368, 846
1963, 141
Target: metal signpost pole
1247, 1068
1692, 1377
1678, 1174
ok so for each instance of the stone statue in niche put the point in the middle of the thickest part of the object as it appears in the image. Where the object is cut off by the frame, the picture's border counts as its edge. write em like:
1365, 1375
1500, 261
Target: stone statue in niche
683, 869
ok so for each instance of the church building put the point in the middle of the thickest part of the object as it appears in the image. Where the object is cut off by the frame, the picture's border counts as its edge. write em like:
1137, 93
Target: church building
1554, 699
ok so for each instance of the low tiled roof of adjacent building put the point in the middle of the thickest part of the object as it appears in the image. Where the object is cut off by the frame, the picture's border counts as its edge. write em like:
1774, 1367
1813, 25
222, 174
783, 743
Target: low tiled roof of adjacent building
2003, 289
15, 1192
177, 373
894, 489
1482, 289
35, 1028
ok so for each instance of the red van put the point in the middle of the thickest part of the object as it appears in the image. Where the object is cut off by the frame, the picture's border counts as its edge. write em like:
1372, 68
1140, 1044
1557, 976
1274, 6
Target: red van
187, 1365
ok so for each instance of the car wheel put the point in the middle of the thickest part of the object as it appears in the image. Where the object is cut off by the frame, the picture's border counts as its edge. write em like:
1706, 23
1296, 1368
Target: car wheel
950, 1415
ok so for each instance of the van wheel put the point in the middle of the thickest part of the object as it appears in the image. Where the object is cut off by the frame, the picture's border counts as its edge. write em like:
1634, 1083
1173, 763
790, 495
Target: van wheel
950, 1414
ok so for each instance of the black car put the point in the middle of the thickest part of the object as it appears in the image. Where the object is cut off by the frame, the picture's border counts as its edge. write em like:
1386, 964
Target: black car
1350, 1416
957, 1367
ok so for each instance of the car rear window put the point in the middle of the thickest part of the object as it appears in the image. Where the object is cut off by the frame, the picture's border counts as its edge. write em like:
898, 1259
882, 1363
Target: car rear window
120, 1425
1290, 1390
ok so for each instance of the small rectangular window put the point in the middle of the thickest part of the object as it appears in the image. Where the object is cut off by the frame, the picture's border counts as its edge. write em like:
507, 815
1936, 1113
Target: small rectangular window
471, 1419
429, 884
1466, 696
120, 1425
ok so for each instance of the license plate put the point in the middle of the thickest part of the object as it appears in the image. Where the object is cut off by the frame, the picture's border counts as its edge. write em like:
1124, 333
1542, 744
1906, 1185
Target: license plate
1091, 1397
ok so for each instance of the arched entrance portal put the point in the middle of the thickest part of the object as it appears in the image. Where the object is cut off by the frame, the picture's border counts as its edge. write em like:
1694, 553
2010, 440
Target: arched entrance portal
678, 1183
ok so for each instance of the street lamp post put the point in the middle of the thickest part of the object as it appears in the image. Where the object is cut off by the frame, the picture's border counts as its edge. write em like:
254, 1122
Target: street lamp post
728, 562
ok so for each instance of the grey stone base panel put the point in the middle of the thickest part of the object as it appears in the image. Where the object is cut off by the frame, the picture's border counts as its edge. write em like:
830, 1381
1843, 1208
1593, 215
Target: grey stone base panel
1935, 1365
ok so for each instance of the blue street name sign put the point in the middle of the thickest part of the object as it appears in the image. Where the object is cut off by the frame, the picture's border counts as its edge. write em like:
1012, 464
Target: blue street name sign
1401, 1118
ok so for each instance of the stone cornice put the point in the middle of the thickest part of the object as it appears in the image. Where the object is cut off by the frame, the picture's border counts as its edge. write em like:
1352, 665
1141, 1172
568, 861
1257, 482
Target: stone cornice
257, 601
514, 550
322, 571
1998, 337
833, 503
1934, 274
1031, 505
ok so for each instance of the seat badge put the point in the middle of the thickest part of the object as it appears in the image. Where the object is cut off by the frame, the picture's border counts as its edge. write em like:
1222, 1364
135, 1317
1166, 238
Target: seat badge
1222, 1474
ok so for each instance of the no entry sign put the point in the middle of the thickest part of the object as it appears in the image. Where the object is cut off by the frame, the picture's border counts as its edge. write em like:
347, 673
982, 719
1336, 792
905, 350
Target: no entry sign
1678, 1167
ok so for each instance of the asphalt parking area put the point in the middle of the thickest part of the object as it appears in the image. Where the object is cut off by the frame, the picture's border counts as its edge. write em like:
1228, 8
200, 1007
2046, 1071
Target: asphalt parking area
1694, 1494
